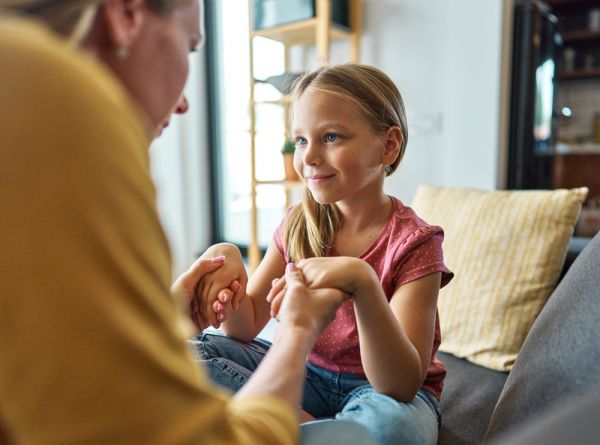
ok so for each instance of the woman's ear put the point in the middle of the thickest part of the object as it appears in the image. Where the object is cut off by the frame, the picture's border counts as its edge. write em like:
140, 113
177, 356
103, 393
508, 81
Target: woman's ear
123, 19
393, 140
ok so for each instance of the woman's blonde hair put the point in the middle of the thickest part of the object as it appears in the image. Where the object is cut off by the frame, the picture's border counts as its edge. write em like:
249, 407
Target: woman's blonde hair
310, 228
72, 18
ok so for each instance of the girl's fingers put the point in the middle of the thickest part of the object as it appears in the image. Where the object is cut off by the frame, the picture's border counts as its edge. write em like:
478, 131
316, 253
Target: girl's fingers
235, 286
270, 296
220, 311
238, 294
278, 284
276, 303
225, 296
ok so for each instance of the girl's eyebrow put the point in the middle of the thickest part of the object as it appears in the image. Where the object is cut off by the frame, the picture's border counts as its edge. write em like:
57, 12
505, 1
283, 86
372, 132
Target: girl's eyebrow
324, 126
332, 125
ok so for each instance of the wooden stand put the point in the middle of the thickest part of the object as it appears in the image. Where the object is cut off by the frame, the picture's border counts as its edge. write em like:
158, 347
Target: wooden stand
318, 31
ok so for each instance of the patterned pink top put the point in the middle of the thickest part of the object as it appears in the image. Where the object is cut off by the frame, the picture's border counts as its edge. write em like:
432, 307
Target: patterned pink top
406, 249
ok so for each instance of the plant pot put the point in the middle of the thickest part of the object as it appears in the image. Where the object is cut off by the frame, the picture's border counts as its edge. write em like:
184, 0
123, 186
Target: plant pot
288, 167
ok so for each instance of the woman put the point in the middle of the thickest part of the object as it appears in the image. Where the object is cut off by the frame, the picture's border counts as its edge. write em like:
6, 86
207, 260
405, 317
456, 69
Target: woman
93, 347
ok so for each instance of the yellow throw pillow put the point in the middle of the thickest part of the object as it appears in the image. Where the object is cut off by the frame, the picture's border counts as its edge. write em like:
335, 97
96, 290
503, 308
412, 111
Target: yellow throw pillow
506, 249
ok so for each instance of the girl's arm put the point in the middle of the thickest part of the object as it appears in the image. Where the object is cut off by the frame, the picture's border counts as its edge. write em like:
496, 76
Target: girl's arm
254, 311
303, 316
405, 325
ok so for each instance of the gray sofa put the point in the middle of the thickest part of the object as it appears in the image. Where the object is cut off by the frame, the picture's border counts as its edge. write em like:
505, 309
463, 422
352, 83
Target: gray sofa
558, 366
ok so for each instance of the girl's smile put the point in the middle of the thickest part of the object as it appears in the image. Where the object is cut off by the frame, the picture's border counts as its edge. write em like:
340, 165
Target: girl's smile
338, 154
319, 179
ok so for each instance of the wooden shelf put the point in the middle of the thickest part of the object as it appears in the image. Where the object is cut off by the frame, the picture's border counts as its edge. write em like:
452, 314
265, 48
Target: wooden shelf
299, 33
569, 4
579, 37
285, 100
579, 74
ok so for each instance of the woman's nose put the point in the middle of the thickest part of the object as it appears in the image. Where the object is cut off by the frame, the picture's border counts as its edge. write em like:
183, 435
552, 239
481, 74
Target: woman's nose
182, 105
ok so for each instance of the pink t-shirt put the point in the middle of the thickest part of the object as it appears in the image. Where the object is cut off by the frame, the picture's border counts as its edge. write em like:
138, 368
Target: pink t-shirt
406, 249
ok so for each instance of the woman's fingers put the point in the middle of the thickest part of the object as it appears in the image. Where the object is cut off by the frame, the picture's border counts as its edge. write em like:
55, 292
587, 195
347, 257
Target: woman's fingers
187, 282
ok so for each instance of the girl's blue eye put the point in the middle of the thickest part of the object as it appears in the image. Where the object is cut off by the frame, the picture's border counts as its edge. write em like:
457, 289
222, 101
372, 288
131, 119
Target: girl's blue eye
330, 137
300, 141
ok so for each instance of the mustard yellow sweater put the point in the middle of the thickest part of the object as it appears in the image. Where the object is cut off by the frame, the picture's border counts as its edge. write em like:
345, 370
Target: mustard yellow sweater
92, 345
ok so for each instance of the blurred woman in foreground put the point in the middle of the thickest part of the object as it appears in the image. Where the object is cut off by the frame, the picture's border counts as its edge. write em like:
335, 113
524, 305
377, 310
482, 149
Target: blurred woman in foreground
93, 342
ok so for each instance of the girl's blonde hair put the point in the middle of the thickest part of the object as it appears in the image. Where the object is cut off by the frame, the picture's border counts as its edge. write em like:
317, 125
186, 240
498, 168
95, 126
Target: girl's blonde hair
310, 228
72, 18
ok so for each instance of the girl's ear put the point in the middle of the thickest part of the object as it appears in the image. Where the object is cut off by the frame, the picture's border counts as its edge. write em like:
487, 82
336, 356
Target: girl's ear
392, 143
123, 19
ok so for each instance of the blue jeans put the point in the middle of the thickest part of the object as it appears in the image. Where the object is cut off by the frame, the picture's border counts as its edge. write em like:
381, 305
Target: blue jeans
327, 394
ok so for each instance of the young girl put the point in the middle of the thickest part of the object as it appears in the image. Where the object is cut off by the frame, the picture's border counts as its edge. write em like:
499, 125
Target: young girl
375, 363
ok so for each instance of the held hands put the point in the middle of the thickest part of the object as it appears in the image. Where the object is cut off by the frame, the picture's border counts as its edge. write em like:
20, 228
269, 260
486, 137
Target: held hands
310, 310
221, 290
212, 286
187, 283
346, 274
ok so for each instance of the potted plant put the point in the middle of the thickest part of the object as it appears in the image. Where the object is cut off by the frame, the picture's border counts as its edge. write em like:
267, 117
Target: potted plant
287, 151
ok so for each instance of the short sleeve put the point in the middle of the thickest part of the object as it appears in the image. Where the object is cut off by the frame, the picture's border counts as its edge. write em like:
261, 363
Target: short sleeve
278, 234
278, 239
421, 254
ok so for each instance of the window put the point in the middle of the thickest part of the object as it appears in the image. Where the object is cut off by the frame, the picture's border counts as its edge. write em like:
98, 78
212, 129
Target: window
229, 94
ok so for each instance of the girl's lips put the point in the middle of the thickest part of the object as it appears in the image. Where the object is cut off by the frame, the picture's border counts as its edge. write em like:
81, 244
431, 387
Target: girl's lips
318, 179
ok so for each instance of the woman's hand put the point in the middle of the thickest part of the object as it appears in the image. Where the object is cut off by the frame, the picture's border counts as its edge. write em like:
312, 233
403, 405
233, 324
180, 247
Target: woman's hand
186, 284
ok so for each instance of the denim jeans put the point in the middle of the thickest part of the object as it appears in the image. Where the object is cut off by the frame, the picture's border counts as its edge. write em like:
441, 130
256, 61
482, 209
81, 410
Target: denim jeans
327, 394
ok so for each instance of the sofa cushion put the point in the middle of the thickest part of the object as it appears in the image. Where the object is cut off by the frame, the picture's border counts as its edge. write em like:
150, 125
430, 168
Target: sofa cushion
468, 399
506, 249
560, 359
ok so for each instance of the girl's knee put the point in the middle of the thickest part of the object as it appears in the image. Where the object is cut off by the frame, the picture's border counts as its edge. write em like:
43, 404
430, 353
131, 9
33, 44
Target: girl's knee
390, 421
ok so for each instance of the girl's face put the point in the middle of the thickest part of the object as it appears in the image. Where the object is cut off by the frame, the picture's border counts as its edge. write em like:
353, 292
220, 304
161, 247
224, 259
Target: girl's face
338, 155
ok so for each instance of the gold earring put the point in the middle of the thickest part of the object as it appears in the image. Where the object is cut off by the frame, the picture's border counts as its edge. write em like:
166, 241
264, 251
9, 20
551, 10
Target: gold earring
122, 52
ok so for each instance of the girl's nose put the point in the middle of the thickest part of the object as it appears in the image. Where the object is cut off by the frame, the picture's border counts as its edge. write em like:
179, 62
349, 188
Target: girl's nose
312, 154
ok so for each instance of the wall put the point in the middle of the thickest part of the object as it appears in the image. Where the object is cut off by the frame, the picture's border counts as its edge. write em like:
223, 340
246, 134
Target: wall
446, 60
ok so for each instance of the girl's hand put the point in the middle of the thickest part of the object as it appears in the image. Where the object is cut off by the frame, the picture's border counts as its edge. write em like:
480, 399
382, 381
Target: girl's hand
276, 294
308, 309
347, 274
222, 305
